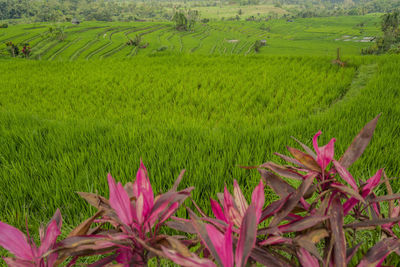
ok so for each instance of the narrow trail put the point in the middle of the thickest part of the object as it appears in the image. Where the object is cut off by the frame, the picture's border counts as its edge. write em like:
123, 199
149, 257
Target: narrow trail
359, 82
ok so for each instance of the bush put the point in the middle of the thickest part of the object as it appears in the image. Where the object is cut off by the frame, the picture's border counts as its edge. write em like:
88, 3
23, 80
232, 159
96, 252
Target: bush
4, 25
130, 226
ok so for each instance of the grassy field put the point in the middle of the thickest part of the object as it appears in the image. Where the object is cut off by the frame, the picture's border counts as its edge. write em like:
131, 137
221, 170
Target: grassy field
92, 105
99, 40
64, 125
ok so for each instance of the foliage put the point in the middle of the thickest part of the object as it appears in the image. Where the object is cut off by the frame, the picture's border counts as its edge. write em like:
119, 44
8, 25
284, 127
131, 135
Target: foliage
4, 25
136, 41
12, 49
26, 50
128, 225
257, 45
390, 41
185, 22
181, 22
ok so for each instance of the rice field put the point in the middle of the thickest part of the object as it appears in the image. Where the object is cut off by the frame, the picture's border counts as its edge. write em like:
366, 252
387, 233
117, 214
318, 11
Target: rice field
99, 40
91, 105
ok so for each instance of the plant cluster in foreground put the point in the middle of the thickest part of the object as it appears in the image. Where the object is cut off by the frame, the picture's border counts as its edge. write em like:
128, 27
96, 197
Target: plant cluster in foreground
305, 226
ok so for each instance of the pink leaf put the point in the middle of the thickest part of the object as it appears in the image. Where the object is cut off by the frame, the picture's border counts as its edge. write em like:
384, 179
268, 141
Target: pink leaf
222, 244
240, 200
172, 209
258, 199
120, 202
14, 262
324, 154
142, 185
273, 240
15, 242
372, 183
217, 210
306, 259
52, 232
345, 175
140, 209
192, 261
230, 211
247, 236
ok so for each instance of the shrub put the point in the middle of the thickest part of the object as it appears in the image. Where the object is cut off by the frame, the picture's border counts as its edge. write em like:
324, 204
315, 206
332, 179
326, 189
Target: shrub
287, 232
4, 25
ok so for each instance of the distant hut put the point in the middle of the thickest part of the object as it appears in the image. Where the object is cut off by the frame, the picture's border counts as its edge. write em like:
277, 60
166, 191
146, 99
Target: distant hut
263, 42
75, 21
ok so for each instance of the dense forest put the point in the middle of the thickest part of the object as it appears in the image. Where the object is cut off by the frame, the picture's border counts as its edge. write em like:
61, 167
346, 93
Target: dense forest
114, 10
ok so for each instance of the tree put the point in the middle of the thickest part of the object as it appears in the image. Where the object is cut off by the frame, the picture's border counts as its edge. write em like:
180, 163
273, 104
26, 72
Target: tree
181, 22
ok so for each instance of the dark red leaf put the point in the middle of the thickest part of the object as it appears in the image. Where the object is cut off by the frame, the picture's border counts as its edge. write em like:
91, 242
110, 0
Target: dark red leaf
273, 208
349, 191
371, 223
336, 220
359, 144
280, 187
291, 160
182, 226
302, 224
267, 258
247, 236
202, 232
350, 252
385, 198
292, 201
282, 171
178, 181
379, 252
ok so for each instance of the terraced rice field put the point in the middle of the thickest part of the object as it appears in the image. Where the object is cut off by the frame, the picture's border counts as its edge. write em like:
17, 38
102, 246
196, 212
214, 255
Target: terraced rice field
96, 40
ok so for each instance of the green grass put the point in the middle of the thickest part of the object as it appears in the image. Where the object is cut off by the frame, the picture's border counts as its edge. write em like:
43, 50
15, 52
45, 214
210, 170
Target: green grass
63, 132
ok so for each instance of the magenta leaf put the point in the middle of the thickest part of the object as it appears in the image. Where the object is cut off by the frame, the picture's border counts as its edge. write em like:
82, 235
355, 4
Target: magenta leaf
120, 202
258, 199
217, 210
247, 236
324, 154
345, 175
50, 237
306, 259
15, 242
222, 244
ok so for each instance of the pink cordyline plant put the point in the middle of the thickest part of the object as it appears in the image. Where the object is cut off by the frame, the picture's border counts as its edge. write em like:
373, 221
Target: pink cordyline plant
27, 254
219, 236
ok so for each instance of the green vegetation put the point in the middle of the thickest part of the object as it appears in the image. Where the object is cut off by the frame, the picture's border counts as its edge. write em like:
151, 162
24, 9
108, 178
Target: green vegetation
91, 40
66, 125
390, 41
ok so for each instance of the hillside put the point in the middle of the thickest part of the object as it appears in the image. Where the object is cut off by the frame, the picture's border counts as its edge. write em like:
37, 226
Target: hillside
99, 40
